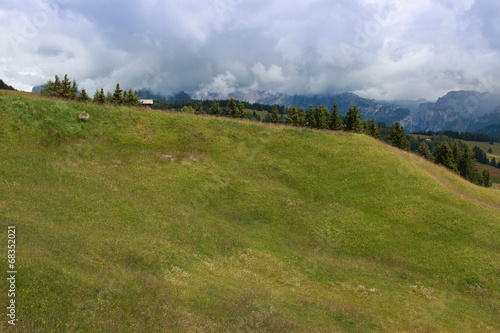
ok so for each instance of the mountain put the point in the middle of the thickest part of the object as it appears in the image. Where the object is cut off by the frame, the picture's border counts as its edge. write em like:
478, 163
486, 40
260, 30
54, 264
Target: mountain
457, 111
5, 86
136, 221
369, 108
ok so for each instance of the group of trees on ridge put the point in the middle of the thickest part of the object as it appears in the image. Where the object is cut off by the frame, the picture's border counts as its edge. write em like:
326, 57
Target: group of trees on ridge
5, 86
457, 156
67, 89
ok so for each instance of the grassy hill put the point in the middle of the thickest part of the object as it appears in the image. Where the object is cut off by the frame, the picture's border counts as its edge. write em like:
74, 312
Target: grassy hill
138, 221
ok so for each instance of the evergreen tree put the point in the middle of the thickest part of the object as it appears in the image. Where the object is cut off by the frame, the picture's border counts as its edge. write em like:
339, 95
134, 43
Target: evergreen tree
83, 97
215, 109
456, 151
74, 91
275, 117
232, 109
493, 162
424, 150
467, 165
322, 117
131, 98
118, 95
373, 129
397, 137
241, 110
487, 181
301, 117
57, 88
336, 122
99, 97
443, 155
311, 117
365, 126
293, 116
66, 88
353, 120
198, 109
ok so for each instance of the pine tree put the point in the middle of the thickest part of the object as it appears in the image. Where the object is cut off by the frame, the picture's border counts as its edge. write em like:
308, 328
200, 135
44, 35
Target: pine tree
373, 130
397, 137
467, 165
365, 127
322, 117
241, 110
74, 91
83, 97
198, 109
353, 120
456, 151
311, 117
232, 109
118, 95
493, 162
99, 97
301, 118
275, 117
443, 155
336, 122
424, 150
65, 88
293, 116
487, 181
215, 109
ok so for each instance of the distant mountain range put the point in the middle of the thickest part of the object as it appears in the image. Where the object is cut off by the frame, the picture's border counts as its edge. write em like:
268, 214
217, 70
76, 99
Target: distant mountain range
462, 111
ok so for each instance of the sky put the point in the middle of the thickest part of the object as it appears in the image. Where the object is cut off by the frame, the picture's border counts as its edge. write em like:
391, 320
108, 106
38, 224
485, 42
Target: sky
381, 49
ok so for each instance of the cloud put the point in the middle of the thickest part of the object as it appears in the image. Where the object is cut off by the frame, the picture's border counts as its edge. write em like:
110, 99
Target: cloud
378, 48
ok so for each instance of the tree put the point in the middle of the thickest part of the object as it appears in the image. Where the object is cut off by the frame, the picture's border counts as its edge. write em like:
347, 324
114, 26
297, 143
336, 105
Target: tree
275, 117
198, 109
493, 162
301, 116
397, 137
443, 155
65, 88
118, 95
132, 98
490, 150
240, 112
232, 109
336, 122
215, 109
187, 109
373, 130
353, 120
293, 116
310, 117
456, 151
322, 117
99, 97
424, 150
487, 181
83, 97
467, 165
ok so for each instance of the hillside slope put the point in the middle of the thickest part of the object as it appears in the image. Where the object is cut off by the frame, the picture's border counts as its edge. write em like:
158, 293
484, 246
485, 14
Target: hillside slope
155, 222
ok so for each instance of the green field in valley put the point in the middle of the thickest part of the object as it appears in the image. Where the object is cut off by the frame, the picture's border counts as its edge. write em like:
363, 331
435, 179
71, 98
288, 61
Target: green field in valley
137, 221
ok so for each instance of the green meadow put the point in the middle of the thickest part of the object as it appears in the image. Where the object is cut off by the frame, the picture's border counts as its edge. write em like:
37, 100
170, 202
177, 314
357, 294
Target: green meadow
137, 221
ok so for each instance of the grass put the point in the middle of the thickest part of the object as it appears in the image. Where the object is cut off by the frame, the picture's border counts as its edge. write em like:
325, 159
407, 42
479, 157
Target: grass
155, 222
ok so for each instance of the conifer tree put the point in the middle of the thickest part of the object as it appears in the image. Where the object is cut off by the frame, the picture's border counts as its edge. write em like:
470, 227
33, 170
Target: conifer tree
311, 117
373, 130
215, 109
322, 117
487, 181
74, 91
467, 165
336, 122
198, 109
493, 162
456, 151
100, 97
118, 95
397, 137
301, 117
241, 110
65, 88
353, 120
83, 97
293, 116
424, 150
232, 109
275, 117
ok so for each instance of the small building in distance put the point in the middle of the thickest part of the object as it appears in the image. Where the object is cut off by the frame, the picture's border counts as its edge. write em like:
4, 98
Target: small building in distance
147, 103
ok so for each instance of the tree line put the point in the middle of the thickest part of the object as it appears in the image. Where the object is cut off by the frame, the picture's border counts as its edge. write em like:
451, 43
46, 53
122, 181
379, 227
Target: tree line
5, 86
466, 136
67, 89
